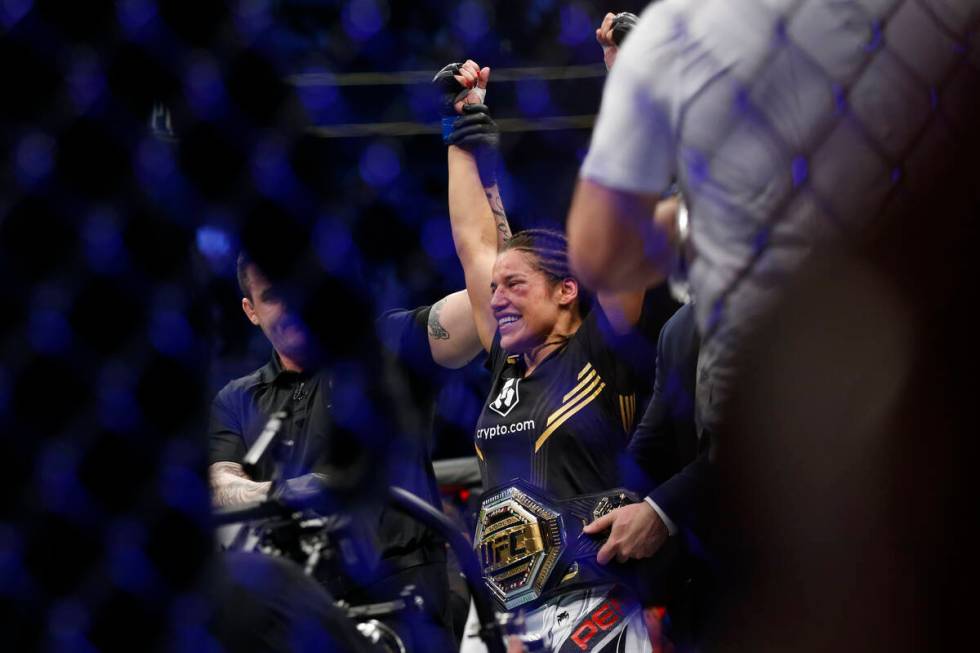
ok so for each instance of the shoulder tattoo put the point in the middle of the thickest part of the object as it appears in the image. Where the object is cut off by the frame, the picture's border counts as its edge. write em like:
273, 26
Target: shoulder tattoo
436, 330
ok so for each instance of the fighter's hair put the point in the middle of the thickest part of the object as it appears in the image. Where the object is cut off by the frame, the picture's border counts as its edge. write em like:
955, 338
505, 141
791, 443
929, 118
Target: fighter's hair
548, 253
241, 271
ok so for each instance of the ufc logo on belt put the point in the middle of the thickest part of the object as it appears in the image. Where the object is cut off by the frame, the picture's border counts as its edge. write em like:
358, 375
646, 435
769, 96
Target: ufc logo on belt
602, 619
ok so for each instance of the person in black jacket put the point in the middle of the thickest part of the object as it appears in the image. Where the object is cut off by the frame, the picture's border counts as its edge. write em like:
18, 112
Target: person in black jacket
672, 473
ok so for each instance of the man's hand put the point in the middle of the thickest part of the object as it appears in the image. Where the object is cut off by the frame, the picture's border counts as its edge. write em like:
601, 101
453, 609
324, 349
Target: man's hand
636, 531
604, 36
611, 33
665, 215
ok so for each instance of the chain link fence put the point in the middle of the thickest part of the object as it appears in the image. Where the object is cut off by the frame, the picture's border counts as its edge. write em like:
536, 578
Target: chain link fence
144, 143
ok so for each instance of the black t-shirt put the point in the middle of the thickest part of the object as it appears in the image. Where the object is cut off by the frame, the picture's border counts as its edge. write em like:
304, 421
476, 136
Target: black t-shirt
565, 427
416, 380
242, 408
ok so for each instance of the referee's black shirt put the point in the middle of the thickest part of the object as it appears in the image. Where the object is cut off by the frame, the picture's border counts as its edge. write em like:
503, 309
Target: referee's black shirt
242, 408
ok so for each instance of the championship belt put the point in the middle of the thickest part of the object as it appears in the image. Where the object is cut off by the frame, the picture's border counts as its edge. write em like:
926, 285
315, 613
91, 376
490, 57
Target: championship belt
529, 544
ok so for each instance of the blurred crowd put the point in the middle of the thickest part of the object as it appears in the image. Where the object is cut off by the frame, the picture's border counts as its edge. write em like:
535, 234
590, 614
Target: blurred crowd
663, 309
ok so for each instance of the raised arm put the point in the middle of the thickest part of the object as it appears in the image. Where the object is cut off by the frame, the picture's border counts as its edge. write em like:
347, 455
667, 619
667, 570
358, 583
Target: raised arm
619, 239
611, 33
647, 268
475, 237
597, 251
615, 241
454, 338
454, 333
479, 224
499, 215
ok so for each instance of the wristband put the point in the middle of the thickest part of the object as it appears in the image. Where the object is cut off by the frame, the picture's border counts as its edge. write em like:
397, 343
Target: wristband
447, 127
481, 94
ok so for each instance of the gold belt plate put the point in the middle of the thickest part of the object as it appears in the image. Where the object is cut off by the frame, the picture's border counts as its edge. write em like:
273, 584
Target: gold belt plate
518, 540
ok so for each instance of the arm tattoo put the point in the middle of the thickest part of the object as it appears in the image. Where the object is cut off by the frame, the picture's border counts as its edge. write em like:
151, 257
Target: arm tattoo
499, 215
436, 330
231, 486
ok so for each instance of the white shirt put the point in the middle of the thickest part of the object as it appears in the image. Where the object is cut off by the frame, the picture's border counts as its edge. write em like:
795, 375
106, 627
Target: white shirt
785, 122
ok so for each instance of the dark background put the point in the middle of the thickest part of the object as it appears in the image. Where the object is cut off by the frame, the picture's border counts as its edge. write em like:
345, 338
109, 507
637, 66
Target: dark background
386, 194
121, 314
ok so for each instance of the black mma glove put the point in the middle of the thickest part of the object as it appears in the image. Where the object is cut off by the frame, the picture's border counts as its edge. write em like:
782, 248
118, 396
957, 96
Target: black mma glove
621, 26
477, 133
449, 94
475, 129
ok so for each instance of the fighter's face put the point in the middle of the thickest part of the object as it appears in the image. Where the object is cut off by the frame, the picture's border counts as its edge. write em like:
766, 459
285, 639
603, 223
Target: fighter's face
525, 302
267, 309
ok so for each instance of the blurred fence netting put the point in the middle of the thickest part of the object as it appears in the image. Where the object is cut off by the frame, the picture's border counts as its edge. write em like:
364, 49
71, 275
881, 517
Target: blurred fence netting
143, 144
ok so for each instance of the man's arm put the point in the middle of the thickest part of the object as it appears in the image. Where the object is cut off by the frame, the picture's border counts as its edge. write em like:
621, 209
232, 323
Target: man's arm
622, 302
611, 33
686, 495
453, 339
653, 446
231, 486
614, 240
640, 529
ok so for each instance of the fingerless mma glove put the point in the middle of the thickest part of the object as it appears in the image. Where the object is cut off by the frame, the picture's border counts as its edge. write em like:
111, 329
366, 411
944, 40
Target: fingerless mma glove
621, 26
477, 133
450, 92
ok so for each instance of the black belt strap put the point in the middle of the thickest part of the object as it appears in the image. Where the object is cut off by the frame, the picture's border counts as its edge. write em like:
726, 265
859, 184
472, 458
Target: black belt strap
652, 580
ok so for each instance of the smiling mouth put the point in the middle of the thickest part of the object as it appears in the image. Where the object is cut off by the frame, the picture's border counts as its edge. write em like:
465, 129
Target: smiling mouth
507, 320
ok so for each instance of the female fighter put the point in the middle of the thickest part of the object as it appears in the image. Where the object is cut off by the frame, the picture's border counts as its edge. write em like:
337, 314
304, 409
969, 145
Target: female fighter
561, 407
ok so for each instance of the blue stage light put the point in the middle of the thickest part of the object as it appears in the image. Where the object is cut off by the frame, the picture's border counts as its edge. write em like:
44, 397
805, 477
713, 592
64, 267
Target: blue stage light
35, 157
332, 243
133, 15
472, 20
364, 18
49, 332
11, 11
437, 239
214, 243
379, 165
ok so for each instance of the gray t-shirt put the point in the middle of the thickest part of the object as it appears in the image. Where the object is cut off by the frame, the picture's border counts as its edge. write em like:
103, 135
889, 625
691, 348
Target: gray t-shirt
785, 122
